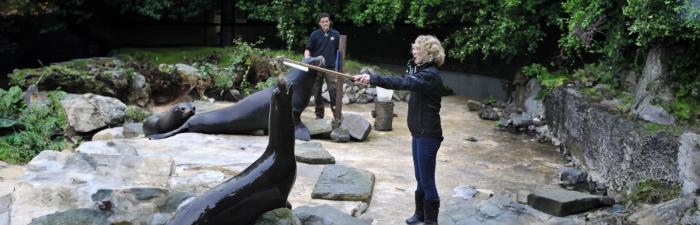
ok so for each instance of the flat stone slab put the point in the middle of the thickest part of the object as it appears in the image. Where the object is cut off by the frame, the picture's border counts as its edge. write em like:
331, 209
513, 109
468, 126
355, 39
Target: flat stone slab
344, 183
281, 216
358, 127
325, 215
320, 126
559, 202
312, 153
497, 210
73, 217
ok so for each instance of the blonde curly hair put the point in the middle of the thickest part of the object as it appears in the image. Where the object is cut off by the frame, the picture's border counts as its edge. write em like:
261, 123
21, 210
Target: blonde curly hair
432, 47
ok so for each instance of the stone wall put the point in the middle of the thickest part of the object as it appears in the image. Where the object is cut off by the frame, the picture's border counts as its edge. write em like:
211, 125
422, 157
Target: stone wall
614, 149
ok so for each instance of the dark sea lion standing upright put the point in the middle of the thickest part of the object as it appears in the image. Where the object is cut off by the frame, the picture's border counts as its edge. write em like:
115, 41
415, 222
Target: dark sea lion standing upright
263, 186
170, 120
250, 113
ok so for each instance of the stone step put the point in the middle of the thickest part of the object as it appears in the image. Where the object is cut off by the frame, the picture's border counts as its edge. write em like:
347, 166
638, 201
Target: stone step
558, 202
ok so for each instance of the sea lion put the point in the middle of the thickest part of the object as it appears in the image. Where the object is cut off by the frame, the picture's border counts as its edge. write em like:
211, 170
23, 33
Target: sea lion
171, 120
263, 186
250, 113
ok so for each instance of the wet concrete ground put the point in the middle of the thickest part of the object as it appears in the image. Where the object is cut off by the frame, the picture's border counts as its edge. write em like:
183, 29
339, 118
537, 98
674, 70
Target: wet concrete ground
498, 161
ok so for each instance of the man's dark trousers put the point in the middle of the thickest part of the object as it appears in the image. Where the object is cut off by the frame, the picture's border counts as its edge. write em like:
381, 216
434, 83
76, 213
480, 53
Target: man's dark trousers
318, 88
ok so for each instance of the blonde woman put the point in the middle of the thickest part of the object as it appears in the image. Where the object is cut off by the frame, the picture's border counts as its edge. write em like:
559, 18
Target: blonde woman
424, 82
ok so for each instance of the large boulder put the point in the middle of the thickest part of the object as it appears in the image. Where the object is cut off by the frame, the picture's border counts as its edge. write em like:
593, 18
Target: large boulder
489, 113
109, 134
358, 126
103, 76
192, 78
474, 105
140, 93
89, 112
140, 181
689, 162
525, 97
670, 212
651, 92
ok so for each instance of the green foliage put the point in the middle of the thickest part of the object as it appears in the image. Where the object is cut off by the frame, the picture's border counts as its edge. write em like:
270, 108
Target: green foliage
271, 81
136, 114
626, 101
158, 9
504, 27
37, 128
383, 12
80, 9
157, 56
597, 73
289, 15
593, 26
548, 80
490, 100
654, 128
654, 21
10, 102
652, 192
223, 78
685, 84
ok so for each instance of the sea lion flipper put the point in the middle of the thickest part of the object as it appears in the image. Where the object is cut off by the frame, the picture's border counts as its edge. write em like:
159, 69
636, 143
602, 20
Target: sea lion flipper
301, 132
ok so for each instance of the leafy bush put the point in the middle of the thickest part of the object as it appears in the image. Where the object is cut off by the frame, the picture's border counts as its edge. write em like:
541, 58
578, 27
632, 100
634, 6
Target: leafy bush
136, 114
36, 129
548, 80
271, 81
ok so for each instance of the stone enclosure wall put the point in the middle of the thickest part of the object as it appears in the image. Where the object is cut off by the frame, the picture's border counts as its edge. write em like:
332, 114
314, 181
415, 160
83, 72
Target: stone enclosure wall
614, 149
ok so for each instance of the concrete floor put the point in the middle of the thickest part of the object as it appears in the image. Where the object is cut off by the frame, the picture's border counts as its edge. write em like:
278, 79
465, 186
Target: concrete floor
499, 161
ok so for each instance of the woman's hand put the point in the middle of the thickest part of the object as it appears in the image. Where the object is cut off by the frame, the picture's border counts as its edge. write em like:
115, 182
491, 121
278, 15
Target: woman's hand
362, 79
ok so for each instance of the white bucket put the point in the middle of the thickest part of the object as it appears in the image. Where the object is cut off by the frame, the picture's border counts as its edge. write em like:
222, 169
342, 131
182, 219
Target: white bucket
384, 95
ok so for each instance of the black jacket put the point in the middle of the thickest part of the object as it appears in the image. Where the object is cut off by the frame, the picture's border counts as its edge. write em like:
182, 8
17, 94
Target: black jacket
426, 88
324, 44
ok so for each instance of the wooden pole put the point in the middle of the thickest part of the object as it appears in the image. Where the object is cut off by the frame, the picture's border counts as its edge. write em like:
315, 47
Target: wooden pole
338, 114
320, 69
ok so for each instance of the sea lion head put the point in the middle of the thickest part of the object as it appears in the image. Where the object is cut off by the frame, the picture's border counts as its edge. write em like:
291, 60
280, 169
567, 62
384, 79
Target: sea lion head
186, 109
281, 120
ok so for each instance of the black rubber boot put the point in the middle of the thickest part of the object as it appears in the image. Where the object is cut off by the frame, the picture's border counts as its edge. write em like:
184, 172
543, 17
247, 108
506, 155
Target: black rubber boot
431, 207
418, 214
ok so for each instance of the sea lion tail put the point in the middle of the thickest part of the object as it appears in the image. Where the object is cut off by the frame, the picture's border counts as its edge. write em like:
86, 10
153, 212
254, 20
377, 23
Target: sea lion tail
167, 134
301, 132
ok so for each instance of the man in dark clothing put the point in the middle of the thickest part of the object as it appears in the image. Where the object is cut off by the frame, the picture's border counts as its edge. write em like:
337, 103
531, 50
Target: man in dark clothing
324, 42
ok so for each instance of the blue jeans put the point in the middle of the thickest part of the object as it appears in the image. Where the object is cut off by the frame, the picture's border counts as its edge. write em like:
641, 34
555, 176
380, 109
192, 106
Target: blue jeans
424, 156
